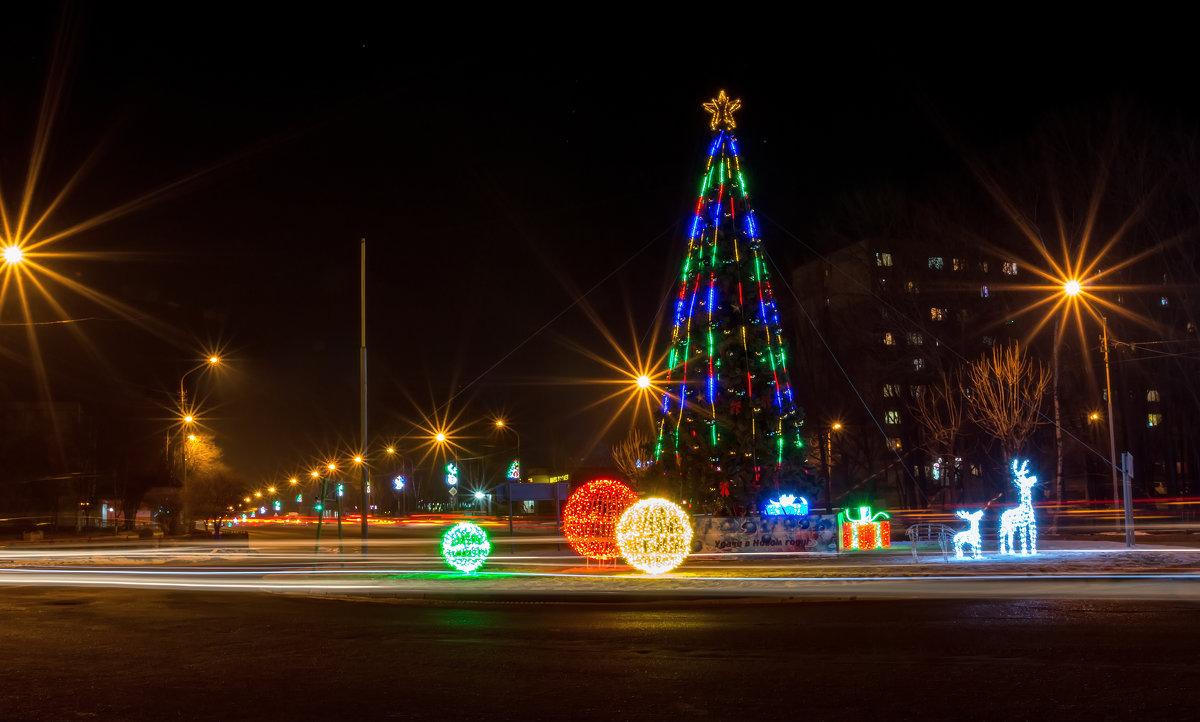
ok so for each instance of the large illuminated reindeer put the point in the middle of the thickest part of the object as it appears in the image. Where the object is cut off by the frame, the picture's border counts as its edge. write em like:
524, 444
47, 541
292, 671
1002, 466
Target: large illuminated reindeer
1020, 520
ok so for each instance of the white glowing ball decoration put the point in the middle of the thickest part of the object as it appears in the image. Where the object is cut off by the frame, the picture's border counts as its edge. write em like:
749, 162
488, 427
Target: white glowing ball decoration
654, 535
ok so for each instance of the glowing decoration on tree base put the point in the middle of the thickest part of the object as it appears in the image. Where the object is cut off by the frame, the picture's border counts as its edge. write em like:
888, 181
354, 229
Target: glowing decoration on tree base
865, 532
590, 517
788, 505
514, 470
654, 535
1020, 521
970, 536
465, 546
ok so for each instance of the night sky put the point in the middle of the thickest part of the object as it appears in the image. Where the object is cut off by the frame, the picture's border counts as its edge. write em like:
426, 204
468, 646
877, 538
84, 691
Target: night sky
495, 180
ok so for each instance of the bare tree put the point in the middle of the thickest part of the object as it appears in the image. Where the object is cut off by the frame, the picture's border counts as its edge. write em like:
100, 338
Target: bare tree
1004, 396
213, 495
213, 489
632, 456
940, 412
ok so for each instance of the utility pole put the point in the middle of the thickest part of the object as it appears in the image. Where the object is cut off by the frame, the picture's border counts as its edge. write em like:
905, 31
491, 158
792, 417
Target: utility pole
362, 372
1112, 435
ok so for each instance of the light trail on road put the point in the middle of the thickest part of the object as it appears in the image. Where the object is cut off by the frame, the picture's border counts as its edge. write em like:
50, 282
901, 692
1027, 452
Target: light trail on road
405, 569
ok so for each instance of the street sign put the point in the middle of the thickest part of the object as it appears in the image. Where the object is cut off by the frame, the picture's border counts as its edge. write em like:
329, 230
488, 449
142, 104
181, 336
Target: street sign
453, 490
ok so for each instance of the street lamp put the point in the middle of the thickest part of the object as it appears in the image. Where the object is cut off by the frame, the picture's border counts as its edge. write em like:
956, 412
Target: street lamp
13, 255
1072, 289
827, 458
188, 419
501, 424
209, 362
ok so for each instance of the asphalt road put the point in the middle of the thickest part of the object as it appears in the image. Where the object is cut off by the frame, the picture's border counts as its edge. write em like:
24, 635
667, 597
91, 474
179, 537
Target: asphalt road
157, 654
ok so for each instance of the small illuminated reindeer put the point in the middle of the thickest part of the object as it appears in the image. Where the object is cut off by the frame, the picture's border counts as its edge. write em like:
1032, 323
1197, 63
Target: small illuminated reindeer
1020, 520
969, 536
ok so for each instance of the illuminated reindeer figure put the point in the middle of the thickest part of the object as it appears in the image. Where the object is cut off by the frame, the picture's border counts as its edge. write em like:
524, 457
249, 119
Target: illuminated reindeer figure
1020, 520
969, 536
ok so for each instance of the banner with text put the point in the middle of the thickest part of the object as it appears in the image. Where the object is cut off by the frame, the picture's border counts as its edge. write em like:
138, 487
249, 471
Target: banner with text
765, 535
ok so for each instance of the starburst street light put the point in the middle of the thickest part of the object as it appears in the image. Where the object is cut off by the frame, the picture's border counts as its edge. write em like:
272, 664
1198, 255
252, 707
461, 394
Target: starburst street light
13, 255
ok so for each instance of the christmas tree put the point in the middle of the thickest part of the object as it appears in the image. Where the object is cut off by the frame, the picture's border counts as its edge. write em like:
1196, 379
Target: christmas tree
728, 428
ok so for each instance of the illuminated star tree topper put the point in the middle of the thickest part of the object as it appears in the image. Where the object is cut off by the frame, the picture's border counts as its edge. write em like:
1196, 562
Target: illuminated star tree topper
722, 109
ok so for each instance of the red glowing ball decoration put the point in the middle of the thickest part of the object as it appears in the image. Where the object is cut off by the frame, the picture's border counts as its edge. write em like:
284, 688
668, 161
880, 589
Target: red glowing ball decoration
590, 517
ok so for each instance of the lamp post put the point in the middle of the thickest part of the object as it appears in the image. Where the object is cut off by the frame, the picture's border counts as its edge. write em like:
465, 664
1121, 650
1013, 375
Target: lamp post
188, 418
501, 424
1072, 288
1112, 437
827, 459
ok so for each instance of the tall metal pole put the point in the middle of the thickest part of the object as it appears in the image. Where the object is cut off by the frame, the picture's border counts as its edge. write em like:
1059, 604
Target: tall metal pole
1112, 436
362, 372
825, 454
185, 508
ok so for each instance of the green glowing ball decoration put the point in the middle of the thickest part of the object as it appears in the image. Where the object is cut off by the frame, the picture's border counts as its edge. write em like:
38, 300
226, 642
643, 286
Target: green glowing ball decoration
654, 535
465, 546
590, 517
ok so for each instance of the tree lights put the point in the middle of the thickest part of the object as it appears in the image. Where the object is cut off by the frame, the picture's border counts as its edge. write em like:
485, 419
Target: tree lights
654, 535
465, 546
1020, 521
728, 418
590, 517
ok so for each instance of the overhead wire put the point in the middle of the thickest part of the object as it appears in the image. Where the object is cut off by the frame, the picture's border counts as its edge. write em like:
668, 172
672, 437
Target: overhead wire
822, 257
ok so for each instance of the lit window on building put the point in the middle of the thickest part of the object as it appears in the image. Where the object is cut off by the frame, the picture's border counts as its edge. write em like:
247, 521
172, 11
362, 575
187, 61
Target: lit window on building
937, 314
895, 443
1164, 301
916, 390
912, 287
936, 263
958, 264
1153, 420
891, 417
915, 339
891, 391
983, 291
889, 339
983, 266
883, 259
1152, 395
1009, 268
883, 284
918, 364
